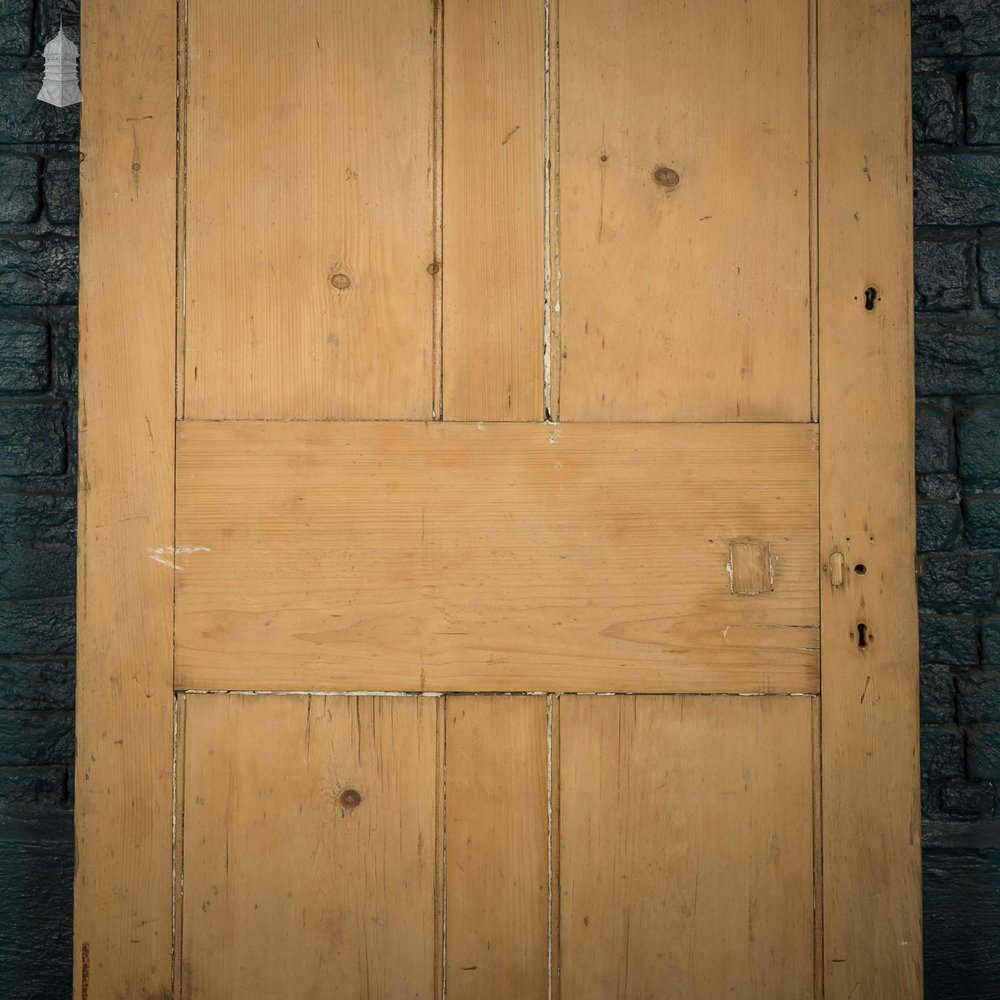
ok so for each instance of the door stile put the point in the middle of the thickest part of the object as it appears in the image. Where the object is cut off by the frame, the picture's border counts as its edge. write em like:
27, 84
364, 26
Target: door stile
871, 814
125, 719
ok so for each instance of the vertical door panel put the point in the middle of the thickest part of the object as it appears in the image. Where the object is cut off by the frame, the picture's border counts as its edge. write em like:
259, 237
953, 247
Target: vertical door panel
686, 854
309, 209
496, 848
684, 208
494, 157
309, 847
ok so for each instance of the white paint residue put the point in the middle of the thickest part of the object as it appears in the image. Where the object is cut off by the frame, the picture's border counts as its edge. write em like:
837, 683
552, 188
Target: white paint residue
725, 632
554, 436
163, 554
480, 426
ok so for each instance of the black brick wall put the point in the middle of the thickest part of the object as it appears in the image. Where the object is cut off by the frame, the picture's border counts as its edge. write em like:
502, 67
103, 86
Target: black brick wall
39, 208
956, 88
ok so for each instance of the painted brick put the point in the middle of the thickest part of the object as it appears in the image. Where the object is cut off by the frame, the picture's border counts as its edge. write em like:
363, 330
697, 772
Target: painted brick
956, 582
15, 27
948, 27
23, 118
942, 275
982, 104
65, 350
957, 359
937, 694
982, 521
37, 570
44, 686
42, 270
32, 439
32, 738
42, 628
984, 753
991, 643
939, 526
24, 356
961, 921
942, 752
935, 109
949, 640
36, 887
20, 198
935, 440
62, 189
979, 444
978, 696
988, 275
968, 799
938, 486
33, 786
957, 189
37, 518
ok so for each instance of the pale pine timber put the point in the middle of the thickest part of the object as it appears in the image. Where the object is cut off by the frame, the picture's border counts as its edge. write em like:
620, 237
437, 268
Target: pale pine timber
494, 213
510, 557
309, 847
686, 847
684, 210
871, 806
124, 697
310, 210
496, 818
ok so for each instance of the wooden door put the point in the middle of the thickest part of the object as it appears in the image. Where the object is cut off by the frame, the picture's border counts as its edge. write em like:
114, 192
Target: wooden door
496, 570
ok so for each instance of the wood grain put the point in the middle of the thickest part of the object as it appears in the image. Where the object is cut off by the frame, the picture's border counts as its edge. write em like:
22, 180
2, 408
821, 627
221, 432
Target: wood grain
871, 807
310, 211
494, 211
512, 557
496, 820
309, 858
684, 188
124, 699
686, 848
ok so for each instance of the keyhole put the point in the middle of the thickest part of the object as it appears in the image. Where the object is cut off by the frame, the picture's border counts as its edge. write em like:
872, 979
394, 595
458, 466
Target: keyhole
871, 294
863, 635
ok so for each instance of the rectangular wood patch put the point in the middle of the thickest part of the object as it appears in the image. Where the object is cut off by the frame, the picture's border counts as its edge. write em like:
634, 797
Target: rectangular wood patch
492, 557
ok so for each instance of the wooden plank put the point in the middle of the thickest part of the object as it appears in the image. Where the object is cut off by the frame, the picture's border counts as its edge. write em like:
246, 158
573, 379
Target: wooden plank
871, 814
496, 829
509, 557
124, 723
686, 848
310, 210
494, 212
309, 858
684, 210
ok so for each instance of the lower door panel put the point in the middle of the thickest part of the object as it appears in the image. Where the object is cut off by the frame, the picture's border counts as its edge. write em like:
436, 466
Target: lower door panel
494, 846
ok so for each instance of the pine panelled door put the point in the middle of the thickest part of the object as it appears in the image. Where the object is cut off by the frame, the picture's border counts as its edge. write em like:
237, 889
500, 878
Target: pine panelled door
496, 571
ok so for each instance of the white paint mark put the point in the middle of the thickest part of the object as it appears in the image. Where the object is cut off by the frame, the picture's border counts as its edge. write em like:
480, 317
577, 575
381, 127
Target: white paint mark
725, 632
165, 562
480, 426
554, 436
163, 554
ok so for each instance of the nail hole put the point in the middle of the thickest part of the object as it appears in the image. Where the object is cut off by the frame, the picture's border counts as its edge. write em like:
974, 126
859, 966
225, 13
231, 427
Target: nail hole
864, 636
871, 294
861, 569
